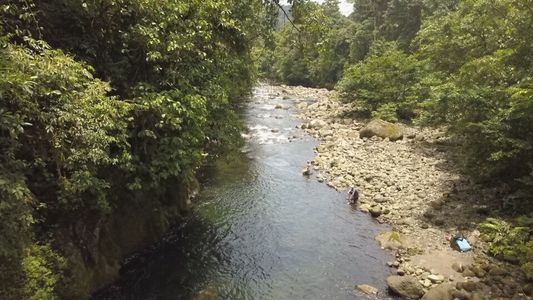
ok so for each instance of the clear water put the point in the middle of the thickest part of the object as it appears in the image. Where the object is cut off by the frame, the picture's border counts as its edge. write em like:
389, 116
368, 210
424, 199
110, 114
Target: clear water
261, 230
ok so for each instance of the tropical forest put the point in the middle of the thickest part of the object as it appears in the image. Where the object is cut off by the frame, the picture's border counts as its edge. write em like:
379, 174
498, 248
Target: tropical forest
266, 149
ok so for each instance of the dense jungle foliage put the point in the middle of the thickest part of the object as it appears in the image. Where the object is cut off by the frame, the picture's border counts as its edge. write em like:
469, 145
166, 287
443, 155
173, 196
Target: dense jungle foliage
466, 65
107, 105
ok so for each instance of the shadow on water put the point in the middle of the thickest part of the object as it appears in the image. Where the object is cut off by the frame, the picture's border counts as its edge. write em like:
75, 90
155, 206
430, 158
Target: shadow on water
261, 230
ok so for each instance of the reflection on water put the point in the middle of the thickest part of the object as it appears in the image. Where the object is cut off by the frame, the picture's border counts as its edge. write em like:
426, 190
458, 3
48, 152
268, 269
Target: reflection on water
261, 230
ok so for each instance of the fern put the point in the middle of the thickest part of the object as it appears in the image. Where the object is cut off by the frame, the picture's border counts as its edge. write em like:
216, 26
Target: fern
510, 243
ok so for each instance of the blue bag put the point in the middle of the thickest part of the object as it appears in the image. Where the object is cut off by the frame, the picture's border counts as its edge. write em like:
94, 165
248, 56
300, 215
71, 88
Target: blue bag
463, 245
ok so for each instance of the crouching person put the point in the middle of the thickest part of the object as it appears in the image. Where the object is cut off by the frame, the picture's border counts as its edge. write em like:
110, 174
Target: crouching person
353, 195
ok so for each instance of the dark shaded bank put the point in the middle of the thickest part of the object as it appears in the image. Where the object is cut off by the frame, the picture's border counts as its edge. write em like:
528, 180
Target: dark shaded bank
261, 230
100, 245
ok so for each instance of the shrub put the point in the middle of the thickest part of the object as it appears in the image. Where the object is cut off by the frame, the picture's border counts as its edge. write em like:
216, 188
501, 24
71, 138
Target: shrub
510, 242
388, 85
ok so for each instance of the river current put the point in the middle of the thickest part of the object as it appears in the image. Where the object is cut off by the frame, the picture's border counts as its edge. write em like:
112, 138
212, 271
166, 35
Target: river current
259, 229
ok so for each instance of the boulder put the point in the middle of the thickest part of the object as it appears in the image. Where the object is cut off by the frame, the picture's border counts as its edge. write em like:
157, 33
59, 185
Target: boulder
406, 286
441, 292
478, 271
471, 286
364, 207
367, 289
391, 240
376, 211
497, 271
316, 124
468, 273
382, 129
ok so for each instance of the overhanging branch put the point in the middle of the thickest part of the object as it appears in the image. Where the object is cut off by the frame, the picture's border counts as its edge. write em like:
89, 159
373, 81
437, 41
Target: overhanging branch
285, 13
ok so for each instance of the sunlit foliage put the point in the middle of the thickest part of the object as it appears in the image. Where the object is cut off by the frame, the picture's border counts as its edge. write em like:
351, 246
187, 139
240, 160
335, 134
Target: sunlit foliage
102, 102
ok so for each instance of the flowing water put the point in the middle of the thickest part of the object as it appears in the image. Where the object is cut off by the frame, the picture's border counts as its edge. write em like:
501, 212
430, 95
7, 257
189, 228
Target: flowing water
261, 230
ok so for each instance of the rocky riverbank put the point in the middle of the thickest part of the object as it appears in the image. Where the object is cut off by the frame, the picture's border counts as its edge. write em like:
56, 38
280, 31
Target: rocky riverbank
410, 184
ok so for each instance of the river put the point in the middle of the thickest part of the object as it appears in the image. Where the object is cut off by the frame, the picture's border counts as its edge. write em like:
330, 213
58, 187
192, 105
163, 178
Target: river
261, 230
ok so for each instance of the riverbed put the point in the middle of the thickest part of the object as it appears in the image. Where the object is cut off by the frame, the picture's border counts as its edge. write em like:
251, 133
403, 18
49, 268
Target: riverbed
259, 229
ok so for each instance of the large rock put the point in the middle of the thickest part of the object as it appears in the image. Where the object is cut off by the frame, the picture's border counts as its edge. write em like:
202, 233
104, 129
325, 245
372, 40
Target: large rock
392, 240
441, 292
469, 286
406, 286
376, 211
316, 124
382, 129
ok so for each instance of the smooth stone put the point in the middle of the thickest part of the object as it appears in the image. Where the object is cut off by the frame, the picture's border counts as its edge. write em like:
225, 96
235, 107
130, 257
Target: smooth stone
471, 286
376, 211
406, 286
367, 289
436, 278
468, 273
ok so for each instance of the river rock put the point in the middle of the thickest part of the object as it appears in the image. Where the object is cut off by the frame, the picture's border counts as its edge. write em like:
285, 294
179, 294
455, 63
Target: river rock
405, 286
461, 295
381, 199
468, 273
478, 296
478, 271
302, 105
497, 271
391, 240
426, 283
441, 292
470, 286
316, 124
382, 129
367, 289
365, 207
436, 278
400, 272
376, 211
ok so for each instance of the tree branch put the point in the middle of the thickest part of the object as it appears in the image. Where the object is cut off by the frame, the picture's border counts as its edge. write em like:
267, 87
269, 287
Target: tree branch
285, 13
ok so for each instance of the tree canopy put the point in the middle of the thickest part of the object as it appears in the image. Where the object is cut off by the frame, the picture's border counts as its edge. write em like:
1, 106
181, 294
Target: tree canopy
105, 105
